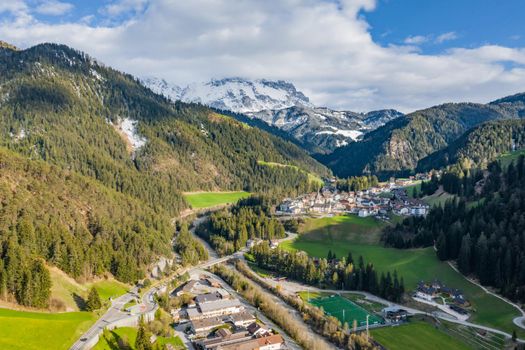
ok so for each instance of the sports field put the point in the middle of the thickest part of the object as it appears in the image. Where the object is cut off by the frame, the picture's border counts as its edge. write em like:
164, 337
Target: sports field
411, 264
200, 200
345, 310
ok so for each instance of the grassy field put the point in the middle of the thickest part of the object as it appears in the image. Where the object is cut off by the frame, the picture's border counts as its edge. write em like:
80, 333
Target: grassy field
67, 290
344, 310
411, 190
200, 200
110, 288
507, 158
438, 198
128, 336
350, 228
411, 264
33, 330
418, 335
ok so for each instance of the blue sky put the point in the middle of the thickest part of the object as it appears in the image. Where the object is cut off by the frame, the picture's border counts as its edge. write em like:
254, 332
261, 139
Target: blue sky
345, 54
473, 22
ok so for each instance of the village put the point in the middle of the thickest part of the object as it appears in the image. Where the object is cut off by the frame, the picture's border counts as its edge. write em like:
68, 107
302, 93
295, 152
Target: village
378, 201
212, 318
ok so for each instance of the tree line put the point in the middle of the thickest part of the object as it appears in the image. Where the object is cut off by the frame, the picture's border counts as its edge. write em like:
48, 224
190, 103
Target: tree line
190, 250
357, 183
228, 230
331, 272
328, 327
484, 233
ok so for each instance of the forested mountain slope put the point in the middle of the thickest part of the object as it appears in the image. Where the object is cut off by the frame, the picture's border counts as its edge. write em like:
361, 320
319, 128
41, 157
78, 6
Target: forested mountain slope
478, 146
59, 105
483, 231
92, 165
73, 222
399, 145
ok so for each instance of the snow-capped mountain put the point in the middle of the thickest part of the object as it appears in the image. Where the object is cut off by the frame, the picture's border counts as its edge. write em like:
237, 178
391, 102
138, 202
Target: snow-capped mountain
279, 103
162, 87
322, 130
234, 94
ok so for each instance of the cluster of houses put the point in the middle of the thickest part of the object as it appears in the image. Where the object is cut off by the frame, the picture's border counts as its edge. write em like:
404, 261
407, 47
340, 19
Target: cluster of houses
216, 320
451, 297
376, 201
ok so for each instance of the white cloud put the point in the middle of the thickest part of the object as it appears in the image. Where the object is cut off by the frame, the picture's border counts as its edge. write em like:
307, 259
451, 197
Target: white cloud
416, 40
53, 8
324, 47
446, 37
124, 6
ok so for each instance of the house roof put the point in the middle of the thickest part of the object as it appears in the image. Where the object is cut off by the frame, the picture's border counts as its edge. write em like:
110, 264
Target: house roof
207, 323
207, 298
242, 316
193, 312
270, 340
218, 305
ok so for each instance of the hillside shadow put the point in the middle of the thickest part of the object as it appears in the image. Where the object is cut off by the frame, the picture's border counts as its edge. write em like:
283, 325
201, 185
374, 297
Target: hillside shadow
81, 303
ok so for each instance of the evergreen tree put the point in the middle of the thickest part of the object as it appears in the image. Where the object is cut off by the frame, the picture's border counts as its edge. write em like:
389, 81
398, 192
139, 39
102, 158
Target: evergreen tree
142, 341
93, 301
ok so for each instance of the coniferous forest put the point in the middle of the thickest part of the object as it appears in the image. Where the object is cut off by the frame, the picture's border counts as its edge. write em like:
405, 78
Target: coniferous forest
342, 273
78, 192
483, 230
228, 230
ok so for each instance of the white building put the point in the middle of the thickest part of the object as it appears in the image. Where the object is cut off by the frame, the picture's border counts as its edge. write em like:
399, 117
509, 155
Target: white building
363, 213
221, 307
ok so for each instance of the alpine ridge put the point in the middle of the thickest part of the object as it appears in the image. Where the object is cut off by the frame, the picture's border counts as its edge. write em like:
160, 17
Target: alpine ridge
279, 104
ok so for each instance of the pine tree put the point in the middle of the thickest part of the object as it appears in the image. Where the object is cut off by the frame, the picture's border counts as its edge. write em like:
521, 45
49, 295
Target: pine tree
93, 302
142, 342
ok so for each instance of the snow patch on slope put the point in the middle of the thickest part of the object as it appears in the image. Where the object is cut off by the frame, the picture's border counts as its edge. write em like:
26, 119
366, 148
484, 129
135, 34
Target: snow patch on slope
127, 128
353, 134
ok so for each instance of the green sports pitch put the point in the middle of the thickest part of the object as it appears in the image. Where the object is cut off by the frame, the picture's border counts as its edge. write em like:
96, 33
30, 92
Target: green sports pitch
345, 310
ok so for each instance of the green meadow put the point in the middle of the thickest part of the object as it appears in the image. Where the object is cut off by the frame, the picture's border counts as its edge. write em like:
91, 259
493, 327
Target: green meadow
20, 330
200, 200
507, 158
67, 290
418, 335
340, 235
127, 336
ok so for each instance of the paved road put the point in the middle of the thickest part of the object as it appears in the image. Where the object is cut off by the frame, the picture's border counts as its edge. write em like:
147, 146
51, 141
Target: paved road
113, 314
294, 287
518, 321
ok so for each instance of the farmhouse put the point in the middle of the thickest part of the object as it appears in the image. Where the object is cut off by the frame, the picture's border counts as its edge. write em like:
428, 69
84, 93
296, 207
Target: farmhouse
395, 314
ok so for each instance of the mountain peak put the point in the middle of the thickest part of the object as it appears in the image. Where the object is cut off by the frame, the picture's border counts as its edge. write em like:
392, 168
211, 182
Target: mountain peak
5, 45
235, 94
